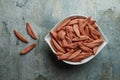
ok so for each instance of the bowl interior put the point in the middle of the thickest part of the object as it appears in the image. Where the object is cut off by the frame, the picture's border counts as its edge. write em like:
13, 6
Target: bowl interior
48, 37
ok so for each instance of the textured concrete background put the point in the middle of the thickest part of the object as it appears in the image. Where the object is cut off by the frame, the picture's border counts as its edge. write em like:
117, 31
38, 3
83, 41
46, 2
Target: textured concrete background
40, 63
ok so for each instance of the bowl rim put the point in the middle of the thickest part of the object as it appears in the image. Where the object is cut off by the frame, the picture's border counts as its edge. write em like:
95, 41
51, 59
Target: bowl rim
46, 38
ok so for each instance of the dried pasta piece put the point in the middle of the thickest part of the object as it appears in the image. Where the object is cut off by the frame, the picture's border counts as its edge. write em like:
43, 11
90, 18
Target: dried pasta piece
66, 55
76, 29
58, 47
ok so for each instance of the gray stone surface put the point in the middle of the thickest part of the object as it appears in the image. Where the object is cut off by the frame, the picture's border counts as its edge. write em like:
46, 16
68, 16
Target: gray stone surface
40, 63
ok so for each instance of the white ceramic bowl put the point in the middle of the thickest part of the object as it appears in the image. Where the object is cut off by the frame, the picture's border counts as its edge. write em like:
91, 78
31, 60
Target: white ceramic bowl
48, 37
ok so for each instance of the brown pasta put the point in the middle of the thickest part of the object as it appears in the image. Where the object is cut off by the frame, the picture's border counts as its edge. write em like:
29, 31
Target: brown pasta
76, 39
